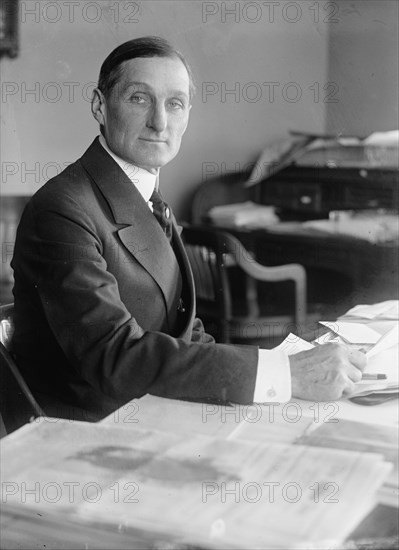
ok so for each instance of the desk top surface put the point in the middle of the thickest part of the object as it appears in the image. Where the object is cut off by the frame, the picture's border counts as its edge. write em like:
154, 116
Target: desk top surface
299, 232
160, 471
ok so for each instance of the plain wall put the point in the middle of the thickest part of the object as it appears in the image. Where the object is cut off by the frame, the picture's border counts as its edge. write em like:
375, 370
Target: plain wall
339, 58
363, 64
61, 51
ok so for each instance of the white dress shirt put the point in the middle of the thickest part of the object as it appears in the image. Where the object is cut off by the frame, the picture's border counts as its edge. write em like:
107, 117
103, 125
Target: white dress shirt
141, 178
273, 378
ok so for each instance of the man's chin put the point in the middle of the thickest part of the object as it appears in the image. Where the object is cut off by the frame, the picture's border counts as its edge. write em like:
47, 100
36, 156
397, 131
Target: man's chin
152, 162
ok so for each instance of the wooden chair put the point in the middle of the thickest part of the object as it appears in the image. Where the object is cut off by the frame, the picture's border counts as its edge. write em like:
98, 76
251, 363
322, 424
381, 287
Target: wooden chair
218, 259
17, 404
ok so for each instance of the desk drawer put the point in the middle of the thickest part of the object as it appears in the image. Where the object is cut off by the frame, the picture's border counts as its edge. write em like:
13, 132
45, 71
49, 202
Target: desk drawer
371, 195
291, 196
318, 191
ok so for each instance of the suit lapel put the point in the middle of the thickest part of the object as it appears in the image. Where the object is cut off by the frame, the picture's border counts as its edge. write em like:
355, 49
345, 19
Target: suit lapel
148, 244
188, 279
142, 236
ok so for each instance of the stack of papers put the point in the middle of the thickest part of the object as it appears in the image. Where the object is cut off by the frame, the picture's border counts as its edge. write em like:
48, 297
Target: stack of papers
368, 438
194, 489
380, 149
388, 310
248, 214
341, 433
373, 228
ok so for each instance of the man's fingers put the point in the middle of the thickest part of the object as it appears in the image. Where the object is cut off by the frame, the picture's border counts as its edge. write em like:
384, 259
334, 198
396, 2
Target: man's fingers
326, 372
354, 373
357, 358
349, 387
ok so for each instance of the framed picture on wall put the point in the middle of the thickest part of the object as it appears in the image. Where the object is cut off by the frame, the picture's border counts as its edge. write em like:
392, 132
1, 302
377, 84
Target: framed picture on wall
9, 27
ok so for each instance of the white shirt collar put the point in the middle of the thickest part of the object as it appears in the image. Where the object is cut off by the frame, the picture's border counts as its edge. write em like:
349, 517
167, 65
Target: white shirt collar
144, 181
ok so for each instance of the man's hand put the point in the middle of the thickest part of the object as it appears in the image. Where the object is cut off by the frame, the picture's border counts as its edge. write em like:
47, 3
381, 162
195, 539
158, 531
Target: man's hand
326, 372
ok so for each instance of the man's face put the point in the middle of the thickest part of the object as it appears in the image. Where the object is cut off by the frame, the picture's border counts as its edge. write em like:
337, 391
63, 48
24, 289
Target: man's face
146, 114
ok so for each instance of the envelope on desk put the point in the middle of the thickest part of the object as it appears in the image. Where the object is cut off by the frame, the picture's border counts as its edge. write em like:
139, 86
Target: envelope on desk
354, 333
382, 310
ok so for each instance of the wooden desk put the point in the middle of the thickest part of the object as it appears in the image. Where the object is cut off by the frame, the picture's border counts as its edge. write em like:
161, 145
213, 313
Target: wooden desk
165, 444
378, 531
105, 462
342, 271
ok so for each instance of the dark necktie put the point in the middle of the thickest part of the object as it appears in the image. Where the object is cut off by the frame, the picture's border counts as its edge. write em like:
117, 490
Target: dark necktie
162, 213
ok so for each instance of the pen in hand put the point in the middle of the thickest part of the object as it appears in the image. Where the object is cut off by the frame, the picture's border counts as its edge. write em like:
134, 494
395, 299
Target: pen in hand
379, 376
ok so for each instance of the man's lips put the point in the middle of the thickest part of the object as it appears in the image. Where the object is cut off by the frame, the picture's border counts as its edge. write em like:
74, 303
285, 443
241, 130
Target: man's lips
153, 140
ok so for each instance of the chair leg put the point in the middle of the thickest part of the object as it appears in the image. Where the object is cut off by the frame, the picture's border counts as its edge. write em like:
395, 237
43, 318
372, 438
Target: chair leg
300, 301
251, 295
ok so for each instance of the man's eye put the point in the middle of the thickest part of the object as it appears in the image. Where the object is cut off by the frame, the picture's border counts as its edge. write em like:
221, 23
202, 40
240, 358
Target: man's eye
137, 99
176, 105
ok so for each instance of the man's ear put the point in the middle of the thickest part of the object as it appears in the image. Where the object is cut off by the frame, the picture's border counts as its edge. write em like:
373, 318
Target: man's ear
98, 107
188, 116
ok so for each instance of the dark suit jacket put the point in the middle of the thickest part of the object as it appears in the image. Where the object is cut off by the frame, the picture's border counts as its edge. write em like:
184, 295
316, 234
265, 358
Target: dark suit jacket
97, 289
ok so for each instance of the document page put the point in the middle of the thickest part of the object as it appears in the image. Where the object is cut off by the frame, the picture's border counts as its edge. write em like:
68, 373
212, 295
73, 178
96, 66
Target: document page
382, 310
365, 437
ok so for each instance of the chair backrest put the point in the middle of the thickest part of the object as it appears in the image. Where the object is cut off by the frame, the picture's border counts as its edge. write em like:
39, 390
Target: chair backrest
208, 255
212, 253
6, 324
17, 403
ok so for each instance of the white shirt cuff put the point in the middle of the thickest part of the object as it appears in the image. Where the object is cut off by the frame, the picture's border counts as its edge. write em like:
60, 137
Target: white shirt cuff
273, 379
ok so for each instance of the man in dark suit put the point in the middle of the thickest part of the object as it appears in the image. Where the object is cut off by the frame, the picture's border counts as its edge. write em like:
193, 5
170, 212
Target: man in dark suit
104, 294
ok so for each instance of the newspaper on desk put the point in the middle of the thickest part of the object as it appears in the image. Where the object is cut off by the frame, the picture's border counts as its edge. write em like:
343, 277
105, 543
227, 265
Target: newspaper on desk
198, 490
383, 357
364, 437
370, 226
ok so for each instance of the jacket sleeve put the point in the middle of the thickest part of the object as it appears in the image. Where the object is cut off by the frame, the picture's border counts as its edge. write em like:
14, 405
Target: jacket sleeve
61, 257
199, 334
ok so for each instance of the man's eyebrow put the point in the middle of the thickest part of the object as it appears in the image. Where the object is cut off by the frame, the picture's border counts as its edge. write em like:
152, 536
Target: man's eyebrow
144, 85
179, 93
135, 83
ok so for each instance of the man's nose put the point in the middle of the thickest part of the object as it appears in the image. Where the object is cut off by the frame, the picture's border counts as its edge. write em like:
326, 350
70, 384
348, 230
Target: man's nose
157, 118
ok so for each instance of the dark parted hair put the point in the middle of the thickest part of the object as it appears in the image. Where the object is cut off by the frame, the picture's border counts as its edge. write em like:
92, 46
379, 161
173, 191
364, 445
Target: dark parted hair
146, 46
